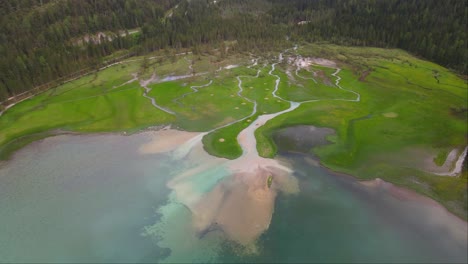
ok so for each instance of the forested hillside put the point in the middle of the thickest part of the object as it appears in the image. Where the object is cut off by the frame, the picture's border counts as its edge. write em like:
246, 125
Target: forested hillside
435, 30
36, 38
44, 40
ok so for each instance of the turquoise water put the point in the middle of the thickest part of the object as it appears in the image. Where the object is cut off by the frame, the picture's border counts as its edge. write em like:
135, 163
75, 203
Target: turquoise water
335, 219
97, 199
81, 199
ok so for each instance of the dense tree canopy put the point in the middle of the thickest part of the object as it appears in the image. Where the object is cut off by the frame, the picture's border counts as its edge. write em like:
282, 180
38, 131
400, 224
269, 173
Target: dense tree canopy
43, 40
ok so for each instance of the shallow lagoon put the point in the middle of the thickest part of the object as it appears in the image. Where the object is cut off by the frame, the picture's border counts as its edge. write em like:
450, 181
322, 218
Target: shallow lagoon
97, 198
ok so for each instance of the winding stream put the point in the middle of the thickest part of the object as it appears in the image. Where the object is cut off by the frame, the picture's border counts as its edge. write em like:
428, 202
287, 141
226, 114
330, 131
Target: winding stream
246, 137
194, 90
214, 209
144, 84
185, 148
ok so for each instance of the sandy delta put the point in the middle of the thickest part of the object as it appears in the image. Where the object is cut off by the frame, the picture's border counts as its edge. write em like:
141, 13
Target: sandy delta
241, 204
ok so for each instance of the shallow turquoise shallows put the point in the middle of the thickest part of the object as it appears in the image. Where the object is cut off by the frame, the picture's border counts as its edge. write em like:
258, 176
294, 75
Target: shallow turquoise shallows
95, 198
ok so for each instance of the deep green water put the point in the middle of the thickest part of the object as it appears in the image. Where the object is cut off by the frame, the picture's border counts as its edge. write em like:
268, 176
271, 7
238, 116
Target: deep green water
97, 199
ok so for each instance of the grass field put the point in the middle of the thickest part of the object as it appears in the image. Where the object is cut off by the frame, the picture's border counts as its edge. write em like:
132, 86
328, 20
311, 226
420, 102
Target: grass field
405, 114
403, 110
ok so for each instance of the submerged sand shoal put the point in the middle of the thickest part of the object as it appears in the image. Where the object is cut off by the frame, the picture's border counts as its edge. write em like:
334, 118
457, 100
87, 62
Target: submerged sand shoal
166, 140
231, 196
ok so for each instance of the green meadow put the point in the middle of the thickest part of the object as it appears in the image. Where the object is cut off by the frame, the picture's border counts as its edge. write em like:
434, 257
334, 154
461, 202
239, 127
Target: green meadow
404, 115
410, 110
105, 102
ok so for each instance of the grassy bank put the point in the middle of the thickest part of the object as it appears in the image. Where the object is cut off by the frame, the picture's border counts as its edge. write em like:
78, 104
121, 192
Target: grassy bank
110, 101
405, 116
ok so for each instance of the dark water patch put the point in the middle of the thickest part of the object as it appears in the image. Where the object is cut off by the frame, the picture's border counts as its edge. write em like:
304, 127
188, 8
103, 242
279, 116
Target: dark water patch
301, 138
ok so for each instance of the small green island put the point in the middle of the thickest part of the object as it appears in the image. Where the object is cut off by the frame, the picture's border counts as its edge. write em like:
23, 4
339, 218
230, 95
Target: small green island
269, 181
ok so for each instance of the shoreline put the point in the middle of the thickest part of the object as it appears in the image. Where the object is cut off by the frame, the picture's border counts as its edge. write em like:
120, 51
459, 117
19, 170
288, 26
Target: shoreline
400, 191
240, 204
7, 154
408, 192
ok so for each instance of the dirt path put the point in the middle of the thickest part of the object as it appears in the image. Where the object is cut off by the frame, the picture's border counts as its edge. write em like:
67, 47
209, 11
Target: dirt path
134, 79
458, 164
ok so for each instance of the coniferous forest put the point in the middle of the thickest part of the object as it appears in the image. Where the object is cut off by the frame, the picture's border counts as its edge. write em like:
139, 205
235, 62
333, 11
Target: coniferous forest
42, 41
